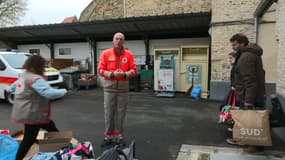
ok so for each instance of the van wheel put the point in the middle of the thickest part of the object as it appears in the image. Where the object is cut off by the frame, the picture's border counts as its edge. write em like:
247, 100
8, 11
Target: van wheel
9, 98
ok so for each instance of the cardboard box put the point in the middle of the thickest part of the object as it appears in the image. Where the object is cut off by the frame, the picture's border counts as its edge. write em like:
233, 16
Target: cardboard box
87, 80
33, 151
54, 141
50, 147
60, 63
50, 141
18, 135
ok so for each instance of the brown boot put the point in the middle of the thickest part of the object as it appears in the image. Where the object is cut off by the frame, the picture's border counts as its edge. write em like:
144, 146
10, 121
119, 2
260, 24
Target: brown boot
234, 142
254, 150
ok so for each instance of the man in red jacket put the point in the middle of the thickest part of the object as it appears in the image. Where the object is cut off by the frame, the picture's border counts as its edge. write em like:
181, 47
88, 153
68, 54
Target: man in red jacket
117, 65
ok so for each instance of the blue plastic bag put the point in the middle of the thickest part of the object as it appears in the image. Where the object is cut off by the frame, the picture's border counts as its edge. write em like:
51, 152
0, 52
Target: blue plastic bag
8, 147
196, 92
44, 156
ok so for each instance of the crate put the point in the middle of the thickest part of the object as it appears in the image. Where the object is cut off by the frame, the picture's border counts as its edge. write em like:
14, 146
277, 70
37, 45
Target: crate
147, 74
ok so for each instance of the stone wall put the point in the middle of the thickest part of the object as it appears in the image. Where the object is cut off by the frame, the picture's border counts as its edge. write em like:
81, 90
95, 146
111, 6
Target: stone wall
229, 17
221, 47
280, 33
136, 8
107, 9
102, 9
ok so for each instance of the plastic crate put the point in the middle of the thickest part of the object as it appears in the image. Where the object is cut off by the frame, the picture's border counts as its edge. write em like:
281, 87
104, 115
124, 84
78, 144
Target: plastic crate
147, 74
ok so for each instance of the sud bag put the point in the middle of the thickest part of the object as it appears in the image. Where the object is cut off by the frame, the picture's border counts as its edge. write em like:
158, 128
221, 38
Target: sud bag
252, 127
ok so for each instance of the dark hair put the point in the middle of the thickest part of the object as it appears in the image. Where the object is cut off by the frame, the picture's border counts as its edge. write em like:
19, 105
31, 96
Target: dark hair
35, 64
233, 54
240, 38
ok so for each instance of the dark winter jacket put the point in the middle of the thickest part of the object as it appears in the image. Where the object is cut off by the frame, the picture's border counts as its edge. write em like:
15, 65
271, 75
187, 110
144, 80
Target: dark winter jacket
250, 76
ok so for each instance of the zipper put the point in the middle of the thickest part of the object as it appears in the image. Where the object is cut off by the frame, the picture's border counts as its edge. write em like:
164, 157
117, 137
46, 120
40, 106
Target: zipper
118, 67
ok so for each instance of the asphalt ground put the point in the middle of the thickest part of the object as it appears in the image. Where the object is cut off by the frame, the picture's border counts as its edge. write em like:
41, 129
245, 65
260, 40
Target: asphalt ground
158, 125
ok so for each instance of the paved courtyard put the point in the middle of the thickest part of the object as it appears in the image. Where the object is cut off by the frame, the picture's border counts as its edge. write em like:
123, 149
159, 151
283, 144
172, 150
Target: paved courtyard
161, 127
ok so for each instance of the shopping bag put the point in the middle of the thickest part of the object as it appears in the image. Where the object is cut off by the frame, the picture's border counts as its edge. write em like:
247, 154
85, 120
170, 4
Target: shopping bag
117, 153
251, 127
196, 92
44, 156
225, 114
8, 147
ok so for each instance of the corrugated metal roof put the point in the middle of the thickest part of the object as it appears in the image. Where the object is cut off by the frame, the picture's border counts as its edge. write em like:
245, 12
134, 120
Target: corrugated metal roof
165, 26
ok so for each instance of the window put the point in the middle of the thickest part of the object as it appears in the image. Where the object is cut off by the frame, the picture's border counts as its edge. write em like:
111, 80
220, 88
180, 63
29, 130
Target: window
2, 66
64, 51
35, 51
15, 60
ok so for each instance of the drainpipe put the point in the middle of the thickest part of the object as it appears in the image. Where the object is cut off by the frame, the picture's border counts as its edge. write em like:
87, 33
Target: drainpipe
94, 48
51, 51
146, 44
256, 28
124, 8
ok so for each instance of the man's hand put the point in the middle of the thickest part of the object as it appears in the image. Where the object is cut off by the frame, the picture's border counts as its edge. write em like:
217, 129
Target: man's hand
248, 104
119, 74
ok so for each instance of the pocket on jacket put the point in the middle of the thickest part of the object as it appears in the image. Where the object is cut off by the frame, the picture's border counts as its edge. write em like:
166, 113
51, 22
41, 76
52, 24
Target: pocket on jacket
109, 84
123, 85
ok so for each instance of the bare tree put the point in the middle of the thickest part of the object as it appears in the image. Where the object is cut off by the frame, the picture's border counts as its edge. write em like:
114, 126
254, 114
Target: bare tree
11, 11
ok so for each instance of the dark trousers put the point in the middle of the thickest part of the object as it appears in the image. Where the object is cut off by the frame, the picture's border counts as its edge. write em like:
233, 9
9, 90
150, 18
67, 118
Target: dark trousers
30, 135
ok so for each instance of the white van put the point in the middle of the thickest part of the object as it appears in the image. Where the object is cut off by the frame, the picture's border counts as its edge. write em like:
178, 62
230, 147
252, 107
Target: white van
11, 67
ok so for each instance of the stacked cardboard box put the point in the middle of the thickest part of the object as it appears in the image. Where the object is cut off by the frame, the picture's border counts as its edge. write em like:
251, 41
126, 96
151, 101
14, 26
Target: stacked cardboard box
87, 80
60, 63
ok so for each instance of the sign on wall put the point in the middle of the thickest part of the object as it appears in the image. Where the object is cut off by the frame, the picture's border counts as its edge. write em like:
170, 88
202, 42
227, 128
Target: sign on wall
165, 80
165, 73
195, 71
140, 60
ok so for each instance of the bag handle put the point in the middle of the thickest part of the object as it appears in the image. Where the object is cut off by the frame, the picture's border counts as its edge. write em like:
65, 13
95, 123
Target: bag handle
234, 102
120, 152
232, 99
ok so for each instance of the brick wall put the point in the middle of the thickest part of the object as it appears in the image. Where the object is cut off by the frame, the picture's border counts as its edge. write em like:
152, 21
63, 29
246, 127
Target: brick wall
237, 12
106, 9
280, 29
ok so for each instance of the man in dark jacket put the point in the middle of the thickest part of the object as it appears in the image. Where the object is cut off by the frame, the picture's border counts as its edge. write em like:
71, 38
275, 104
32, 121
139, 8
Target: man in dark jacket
249, 77
249, 72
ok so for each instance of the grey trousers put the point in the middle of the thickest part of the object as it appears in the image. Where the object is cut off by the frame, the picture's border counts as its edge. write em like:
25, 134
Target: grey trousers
115, 107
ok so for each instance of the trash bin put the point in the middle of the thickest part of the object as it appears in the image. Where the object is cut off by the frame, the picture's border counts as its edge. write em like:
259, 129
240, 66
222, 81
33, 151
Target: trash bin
135, 83
146, 80
70, 77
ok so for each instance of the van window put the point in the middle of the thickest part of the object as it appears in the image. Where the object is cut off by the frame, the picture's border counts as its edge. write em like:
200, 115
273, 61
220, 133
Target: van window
15, 60
2, 66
